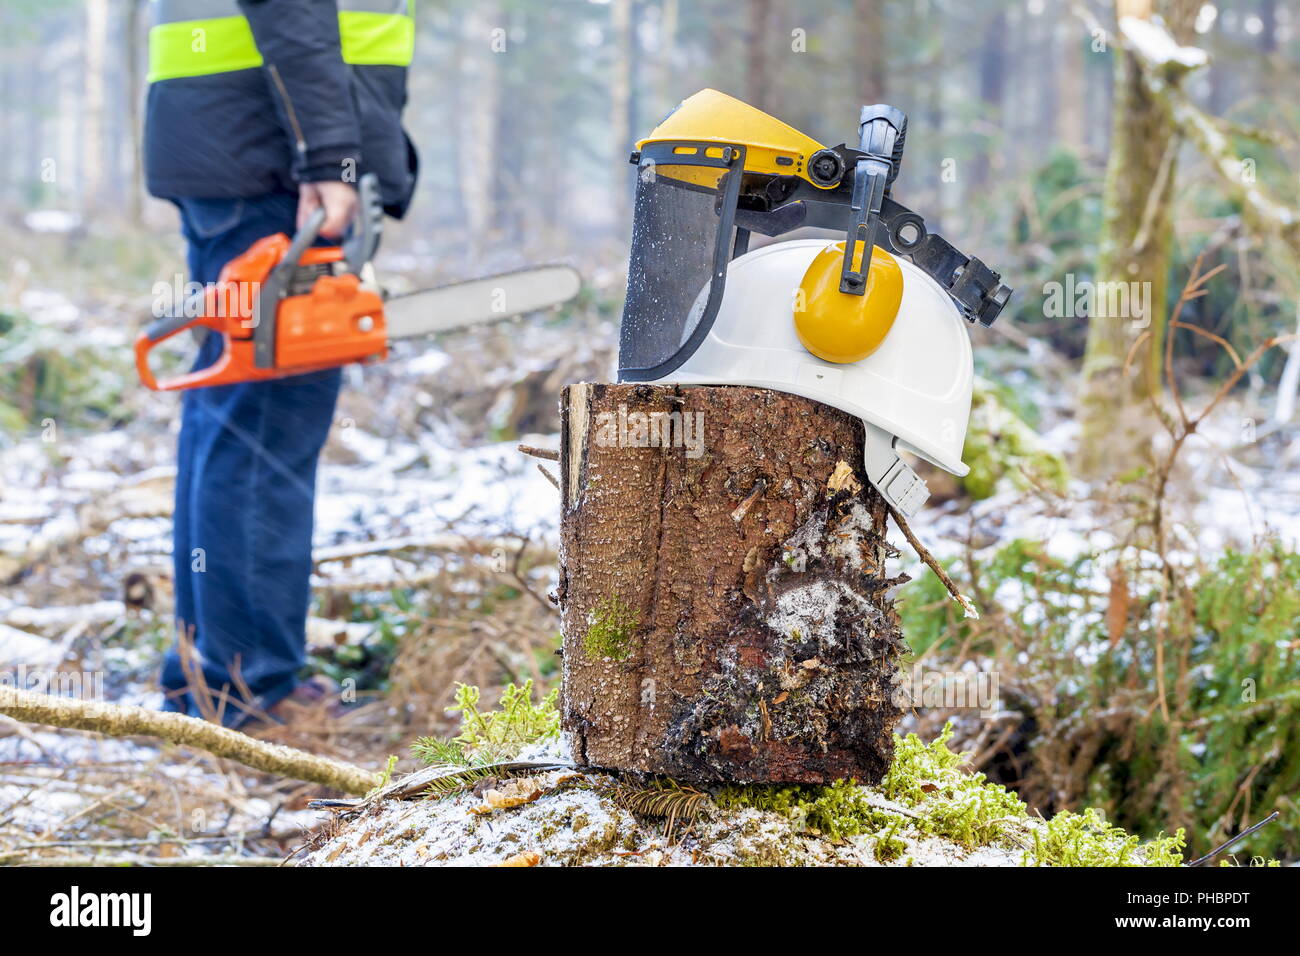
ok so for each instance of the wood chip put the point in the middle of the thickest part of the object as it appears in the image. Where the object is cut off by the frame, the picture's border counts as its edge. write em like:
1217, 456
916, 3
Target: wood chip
521, 790
842, 479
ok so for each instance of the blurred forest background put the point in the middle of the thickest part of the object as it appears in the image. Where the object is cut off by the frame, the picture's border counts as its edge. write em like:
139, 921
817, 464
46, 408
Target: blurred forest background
1135, 561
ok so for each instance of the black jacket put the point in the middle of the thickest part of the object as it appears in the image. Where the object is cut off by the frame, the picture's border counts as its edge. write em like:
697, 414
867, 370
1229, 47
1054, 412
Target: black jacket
302, 116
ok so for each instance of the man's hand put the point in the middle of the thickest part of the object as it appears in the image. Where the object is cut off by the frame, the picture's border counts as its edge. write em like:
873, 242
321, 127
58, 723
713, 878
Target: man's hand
339, 200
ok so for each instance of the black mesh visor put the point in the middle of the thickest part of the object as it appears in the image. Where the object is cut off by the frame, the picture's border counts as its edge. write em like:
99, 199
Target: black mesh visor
681, 232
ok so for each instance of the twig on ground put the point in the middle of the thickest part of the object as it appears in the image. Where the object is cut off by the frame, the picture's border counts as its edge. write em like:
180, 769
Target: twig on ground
1236, 839
545, 453
924, 554
130, 860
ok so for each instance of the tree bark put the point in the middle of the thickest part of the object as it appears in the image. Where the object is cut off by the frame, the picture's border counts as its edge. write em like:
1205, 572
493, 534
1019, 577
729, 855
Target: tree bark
1262, 211
724, 601
1071, 100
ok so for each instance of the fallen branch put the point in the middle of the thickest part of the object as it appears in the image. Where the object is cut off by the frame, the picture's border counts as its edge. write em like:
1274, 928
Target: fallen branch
117, 720
148, 495
132, 860
1236, 839
62, 617
437, 542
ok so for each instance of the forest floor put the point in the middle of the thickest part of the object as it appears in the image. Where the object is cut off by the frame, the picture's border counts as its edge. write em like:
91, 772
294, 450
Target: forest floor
928, 811
435, 547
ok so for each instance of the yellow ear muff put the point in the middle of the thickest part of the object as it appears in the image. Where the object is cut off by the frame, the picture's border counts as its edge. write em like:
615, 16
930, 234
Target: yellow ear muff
843, 328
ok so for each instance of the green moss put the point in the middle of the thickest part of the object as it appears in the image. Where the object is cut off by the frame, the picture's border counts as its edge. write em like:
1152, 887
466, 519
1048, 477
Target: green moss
387, 777
1254, 861
610, 629
1086, 839
962, 807
838, 812
941, 800
888, 846
958, 806
496, 735
1000, 444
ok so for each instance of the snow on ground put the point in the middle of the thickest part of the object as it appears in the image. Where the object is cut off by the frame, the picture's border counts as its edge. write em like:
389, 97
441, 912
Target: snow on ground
388, 474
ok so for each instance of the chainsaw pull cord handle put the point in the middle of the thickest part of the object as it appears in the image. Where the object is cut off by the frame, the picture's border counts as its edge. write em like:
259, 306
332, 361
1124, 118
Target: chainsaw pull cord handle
881, 130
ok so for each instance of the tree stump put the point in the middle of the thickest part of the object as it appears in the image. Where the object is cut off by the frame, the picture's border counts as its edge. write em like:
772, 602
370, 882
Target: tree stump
723, 587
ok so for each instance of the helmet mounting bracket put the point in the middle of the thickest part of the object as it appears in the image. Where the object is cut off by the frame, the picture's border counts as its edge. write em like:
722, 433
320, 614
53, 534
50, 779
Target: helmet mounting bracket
894, 478
882, 130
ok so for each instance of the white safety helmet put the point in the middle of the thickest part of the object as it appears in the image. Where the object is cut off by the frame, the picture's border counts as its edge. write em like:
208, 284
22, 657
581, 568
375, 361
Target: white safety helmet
885, 342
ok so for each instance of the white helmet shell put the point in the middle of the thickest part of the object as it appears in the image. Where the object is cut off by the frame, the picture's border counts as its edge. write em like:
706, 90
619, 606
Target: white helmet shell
916, 387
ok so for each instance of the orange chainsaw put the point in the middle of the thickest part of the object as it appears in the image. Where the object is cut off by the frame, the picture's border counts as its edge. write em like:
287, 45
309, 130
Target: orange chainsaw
287, 306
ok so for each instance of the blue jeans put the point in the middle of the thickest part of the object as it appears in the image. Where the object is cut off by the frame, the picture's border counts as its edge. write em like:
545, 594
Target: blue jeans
245, 491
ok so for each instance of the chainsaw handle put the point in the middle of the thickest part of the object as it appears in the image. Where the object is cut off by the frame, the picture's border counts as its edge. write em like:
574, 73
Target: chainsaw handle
167, 326
160, 330
368, 227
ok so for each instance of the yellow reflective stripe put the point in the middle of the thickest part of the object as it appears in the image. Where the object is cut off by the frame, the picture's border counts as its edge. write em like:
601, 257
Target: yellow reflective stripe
225, 44
201, 47
376, 39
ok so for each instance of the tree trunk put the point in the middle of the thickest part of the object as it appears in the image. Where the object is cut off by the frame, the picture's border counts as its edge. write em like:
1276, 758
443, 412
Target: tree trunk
484, 40
758, 58
723, 587
870, 63
135, 52
622, 25
1071, 100
1137, 232
92, 136
992, 89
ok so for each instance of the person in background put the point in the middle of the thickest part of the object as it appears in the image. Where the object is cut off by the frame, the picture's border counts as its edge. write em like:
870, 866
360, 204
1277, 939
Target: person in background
259, 112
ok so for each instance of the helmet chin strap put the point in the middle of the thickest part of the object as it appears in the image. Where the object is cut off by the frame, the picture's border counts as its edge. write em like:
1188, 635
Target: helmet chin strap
894, 478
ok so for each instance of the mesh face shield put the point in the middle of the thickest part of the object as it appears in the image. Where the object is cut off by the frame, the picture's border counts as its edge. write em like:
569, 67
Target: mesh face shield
681, 242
